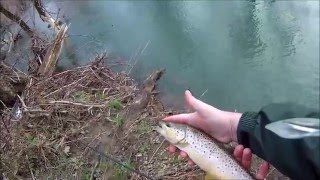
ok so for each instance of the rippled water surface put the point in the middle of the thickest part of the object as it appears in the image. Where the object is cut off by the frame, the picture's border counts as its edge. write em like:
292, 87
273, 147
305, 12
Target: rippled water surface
242, 54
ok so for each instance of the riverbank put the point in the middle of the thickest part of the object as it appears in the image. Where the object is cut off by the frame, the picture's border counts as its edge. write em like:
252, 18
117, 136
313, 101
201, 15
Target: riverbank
63, 124
88, 122
70, 117
72, 120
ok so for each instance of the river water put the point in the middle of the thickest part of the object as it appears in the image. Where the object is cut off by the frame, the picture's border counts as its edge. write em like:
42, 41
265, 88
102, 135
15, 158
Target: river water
237, 54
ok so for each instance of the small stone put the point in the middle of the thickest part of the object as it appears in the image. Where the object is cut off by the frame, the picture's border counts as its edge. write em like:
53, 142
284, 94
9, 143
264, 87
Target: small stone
66, 150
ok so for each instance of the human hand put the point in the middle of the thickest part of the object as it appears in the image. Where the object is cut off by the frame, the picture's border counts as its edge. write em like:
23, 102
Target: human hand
221, 125
242, 155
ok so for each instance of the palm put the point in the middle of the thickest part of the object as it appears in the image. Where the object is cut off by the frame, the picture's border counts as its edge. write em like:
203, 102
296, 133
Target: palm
209, 119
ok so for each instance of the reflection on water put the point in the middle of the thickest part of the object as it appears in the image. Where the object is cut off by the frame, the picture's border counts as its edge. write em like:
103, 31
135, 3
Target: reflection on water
287, 26
247, 54
245, 34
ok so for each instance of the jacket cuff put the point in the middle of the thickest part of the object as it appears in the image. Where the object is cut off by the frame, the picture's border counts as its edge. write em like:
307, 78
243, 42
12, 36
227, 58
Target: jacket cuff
246, 126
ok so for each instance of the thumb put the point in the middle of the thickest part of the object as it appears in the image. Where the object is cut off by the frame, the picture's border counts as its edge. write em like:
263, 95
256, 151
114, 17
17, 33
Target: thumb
194, 103
190, 100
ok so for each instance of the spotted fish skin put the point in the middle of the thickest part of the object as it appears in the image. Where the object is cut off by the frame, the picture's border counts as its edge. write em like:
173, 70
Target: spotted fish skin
203, 151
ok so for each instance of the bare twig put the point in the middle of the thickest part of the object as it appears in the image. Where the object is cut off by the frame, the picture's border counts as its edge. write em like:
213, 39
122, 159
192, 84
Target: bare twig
155, 152
46, 17
22, 102
204, 93
75, 82
77, 104
3, 104
140, 55
32, 175
94, 169
132, 57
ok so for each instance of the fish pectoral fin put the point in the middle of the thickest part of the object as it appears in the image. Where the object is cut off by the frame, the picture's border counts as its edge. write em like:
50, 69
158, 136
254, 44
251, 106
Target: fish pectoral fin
181, 142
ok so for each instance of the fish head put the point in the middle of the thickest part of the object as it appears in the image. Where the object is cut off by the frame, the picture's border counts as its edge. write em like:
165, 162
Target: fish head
173, 133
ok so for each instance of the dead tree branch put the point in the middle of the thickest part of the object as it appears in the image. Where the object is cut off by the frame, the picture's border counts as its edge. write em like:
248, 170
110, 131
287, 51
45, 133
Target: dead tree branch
18, 20
51, 58
46, 17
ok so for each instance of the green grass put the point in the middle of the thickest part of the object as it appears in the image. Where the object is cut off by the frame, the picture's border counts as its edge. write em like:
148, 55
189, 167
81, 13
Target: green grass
120, 172
175, 160
119, 121
32, 140
86, 173
143, 148
115, 104
81, 96
100, 95
144, 127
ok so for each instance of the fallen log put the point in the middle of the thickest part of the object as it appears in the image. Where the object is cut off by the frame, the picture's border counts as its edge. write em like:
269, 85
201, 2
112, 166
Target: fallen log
50, 60
54, 23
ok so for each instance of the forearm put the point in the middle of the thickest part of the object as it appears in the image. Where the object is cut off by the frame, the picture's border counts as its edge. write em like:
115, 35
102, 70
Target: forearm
293, 157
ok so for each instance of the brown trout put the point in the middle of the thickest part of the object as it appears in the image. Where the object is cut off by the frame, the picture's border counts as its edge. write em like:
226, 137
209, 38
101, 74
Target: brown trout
203, 151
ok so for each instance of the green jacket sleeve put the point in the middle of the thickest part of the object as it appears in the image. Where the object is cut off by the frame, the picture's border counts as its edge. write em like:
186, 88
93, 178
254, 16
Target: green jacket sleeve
296, 158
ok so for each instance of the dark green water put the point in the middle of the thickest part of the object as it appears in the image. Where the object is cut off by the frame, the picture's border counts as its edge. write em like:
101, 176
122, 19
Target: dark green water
245, 54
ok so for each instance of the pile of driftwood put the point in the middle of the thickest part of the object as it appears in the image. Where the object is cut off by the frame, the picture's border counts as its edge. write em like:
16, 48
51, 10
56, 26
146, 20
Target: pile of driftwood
46, 53
19, 92
55, 112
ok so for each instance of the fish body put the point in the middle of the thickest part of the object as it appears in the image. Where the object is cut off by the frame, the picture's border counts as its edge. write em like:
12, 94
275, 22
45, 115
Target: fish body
203, 151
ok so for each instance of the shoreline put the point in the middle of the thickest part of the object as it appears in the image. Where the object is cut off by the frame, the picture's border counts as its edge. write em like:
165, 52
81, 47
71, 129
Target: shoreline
50, 127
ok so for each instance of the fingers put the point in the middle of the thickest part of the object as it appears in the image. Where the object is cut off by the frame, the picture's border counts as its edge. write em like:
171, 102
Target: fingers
191, 163
172, 149
243, 155
238, 151
263, 170
179, 118
246, 158
183, 155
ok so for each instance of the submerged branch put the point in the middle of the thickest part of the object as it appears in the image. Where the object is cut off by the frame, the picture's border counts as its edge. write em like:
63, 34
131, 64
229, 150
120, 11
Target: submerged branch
57, 25
18, 20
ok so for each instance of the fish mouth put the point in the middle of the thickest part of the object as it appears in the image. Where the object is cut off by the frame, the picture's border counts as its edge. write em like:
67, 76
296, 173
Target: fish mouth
162, 127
